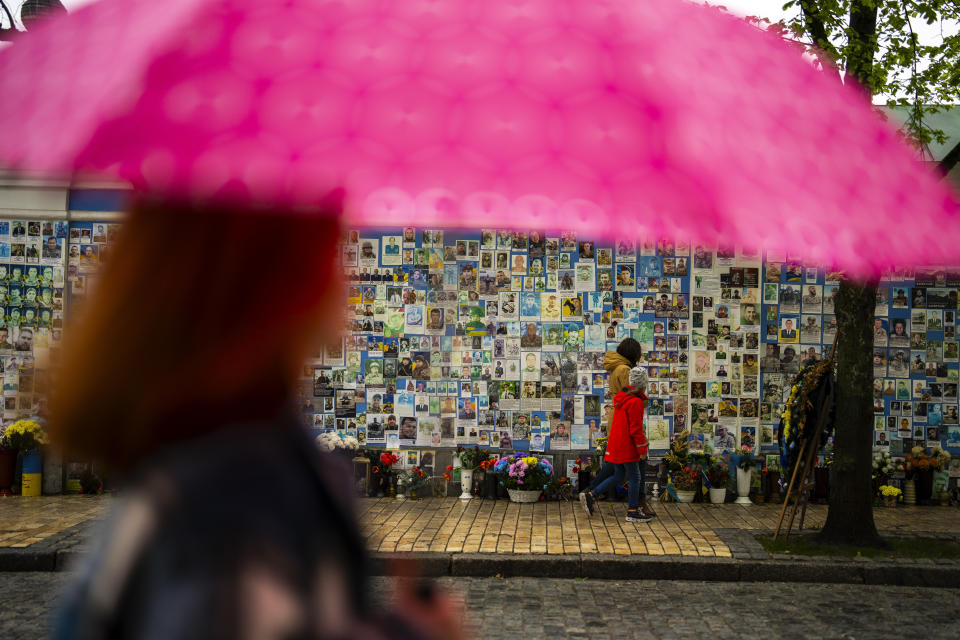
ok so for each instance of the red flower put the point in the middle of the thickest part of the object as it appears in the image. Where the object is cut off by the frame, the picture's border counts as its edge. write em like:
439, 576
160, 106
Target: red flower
563, 479
446, 477
375, 469
459, 448
578, 461
449, 468
687, 469
576, 469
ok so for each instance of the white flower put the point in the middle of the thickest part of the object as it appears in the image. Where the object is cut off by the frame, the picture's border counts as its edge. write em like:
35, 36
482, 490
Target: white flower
327, 442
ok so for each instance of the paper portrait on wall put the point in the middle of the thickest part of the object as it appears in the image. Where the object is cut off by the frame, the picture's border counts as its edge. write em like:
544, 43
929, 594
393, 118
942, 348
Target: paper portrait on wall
368, 252
584, 275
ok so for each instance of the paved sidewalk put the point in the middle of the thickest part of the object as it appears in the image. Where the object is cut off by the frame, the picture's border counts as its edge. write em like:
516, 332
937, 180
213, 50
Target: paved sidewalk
503, 527
547, 539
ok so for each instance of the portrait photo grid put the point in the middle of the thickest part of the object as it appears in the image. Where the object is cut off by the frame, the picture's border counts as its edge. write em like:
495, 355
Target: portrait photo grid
497, 339
32, 283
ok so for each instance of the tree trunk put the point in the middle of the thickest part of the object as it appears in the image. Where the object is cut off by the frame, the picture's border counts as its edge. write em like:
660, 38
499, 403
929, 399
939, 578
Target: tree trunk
850, 518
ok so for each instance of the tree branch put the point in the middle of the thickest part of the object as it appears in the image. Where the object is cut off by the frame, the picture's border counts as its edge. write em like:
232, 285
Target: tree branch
813, 20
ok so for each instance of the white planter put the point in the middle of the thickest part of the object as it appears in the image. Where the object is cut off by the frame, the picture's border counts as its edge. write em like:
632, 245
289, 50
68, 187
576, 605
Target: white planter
685, 496
743, 486
718, 496
466, 484
517, 495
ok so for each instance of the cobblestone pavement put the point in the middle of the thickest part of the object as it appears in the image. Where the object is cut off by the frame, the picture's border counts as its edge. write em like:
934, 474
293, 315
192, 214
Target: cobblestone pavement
482, 526
597, 609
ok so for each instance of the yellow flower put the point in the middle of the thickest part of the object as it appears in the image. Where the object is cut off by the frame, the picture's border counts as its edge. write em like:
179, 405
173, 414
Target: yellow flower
793, 389
530, 460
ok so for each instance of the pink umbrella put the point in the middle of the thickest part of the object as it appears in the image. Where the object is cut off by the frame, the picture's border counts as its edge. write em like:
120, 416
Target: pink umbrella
654, 118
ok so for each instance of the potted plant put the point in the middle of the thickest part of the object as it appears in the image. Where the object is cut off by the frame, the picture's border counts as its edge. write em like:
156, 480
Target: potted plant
412, 482
890, 495
883, 468
677, 461
27, 436
685, 483
470, 459
718, 474
745, 467
523, 476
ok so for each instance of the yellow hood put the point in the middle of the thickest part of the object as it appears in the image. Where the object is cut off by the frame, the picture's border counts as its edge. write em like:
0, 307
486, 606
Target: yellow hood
612, 360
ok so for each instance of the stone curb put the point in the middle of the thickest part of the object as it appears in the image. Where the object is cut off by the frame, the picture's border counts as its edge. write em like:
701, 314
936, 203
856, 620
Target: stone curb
601, 566
27, 560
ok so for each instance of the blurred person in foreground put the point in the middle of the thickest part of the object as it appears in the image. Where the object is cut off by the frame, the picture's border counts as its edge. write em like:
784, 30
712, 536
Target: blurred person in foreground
233, 525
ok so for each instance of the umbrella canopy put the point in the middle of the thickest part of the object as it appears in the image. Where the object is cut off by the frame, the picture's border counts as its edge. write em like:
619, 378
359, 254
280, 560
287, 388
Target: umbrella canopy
654, 118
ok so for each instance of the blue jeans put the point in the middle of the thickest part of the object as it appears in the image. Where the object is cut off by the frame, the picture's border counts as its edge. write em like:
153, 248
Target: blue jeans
606, 470
633, 471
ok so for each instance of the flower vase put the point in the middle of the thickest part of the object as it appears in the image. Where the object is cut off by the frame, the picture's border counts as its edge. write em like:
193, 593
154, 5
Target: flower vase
466, 484
383, 490
685, 496
31, 480
718, 496
744, 476
889, 501
924, 485
8, 465
490, 485
910, 492
413, 494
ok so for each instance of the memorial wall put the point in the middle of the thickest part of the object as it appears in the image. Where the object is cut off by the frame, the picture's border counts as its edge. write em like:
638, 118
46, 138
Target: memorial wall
497, 338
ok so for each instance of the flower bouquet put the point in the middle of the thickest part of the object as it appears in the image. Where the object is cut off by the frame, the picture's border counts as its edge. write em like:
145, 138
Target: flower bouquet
413, 481
23, 435
890, 495
745, 456
523, 476
718, 474
470, 459
385, 473
883, 468
331, 441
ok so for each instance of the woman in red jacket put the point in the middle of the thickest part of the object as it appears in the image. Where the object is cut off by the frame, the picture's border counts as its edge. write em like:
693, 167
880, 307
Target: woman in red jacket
627, 446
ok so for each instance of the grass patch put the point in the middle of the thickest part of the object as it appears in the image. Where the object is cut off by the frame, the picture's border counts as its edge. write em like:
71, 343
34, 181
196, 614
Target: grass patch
899, 548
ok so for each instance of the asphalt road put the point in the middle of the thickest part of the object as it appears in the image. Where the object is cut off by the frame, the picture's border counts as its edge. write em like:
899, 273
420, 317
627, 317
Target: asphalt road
534, 608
